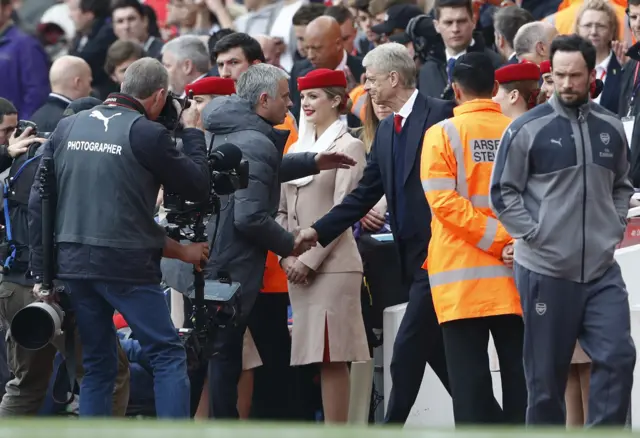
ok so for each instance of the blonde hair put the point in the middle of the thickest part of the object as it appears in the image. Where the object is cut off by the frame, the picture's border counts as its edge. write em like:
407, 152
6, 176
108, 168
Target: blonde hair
369, 125
600, 6
345, 102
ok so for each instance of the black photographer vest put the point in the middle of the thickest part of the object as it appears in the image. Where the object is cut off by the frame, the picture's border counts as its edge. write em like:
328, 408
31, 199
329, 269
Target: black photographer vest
105, 196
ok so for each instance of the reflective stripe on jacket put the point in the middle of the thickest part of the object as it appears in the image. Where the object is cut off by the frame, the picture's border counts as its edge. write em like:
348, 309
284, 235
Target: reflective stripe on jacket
358, 98
468, 278
275, 280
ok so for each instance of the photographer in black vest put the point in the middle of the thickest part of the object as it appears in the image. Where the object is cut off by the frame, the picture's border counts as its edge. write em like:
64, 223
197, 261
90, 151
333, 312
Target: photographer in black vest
109, 164
32, 369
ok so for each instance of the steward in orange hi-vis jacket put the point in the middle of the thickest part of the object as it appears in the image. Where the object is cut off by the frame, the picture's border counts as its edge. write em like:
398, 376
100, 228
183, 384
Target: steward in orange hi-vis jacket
473, 290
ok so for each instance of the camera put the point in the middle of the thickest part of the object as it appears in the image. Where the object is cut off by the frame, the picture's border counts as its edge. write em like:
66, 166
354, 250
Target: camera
23, 125
427, 42
35, 325
171, 111
215, 302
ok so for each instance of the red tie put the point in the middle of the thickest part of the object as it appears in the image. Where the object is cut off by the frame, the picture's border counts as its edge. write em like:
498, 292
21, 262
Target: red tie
397, 123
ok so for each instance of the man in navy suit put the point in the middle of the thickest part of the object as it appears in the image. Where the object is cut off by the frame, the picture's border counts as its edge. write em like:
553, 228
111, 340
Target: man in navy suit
393, 170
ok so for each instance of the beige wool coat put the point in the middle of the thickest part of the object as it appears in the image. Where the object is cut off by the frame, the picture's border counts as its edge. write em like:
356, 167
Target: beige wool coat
327, 312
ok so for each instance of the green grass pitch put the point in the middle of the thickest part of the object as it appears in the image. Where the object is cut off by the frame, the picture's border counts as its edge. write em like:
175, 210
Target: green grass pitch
74, 428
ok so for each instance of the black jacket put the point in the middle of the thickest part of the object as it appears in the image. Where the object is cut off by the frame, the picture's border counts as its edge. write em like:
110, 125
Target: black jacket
186, 174
301, 68
610, 96
49, 114
433, 79
95, 53
378, 180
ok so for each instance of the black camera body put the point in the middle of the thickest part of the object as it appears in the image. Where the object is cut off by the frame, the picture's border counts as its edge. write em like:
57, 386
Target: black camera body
23, 125
170, 115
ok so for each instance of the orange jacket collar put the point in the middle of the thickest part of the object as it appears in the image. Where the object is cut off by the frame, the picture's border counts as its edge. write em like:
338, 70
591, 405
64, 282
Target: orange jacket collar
476, 105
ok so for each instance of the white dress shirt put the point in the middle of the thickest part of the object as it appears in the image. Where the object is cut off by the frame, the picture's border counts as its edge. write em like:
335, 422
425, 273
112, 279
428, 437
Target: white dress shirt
406, 109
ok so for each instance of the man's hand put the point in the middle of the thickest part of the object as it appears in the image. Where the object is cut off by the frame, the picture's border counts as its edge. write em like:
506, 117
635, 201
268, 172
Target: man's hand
20, 145
297, 272
620, 50
507, 255
304, 241
50, 297
195, 254
333, 160
191, 116
373, 221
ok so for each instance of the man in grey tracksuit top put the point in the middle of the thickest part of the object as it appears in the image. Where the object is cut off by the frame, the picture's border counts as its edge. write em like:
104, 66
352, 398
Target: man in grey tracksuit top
560, 187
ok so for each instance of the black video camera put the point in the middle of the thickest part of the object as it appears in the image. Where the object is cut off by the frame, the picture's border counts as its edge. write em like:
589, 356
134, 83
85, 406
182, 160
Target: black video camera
228, 173
170, 115
427, 42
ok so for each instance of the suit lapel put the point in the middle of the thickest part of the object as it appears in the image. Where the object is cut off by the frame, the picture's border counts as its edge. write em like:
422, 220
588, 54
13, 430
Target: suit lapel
384, 152
416, 128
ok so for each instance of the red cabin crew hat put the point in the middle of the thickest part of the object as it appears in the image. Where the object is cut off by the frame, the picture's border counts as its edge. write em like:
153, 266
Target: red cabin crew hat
518, 72
211, 85
545, 67
322, 78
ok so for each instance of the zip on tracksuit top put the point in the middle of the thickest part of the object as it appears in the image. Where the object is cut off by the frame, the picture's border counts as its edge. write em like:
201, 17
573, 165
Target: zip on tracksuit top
560, 186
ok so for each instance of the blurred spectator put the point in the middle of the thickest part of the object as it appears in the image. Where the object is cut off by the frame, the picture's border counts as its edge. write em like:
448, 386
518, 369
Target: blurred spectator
364, 19
70, 79
198, 17
540, 8
396, 21
30, 12
8, 122
325, 49
23, 66
533, 42
152, 21
130, 23
56, 18
564, 19
345, 19
283, 31
301, 19
120, 56
211, 43
236, 53
269, 49
506, 23
187, 60
597, 22
454, 21
260, 18
94, 36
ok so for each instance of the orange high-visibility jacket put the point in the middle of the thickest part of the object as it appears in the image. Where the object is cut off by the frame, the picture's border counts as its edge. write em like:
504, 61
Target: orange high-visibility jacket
358, 99
274, 279
468, 278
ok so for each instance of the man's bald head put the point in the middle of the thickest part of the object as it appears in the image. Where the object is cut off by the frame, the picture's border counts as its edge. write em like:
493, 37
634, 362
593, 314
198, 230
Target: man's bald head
71, 77
270, 49
323, 40
533, 41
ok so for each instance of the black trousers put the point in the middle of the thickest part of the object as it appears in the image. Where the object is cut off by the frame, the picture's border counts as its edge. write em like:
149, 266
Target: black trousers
418, 342
273, 389
466, 342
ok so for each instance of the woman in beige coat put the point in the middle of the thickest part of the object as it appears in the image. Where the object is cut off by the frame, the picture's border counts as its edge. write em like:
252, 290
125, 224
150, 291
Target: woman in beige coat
324, 283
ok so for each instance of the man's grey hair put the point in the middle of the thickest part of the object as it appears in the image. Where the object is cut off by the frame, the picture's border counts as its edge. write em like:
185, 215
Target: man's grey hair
258, 79
192, 48
507, 21
529, 35
144, 77
390, 57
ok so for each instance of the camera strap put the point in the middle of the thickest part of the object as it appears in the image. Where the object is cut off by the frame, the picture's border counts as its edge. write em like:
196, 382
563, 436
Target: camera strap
123, 100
